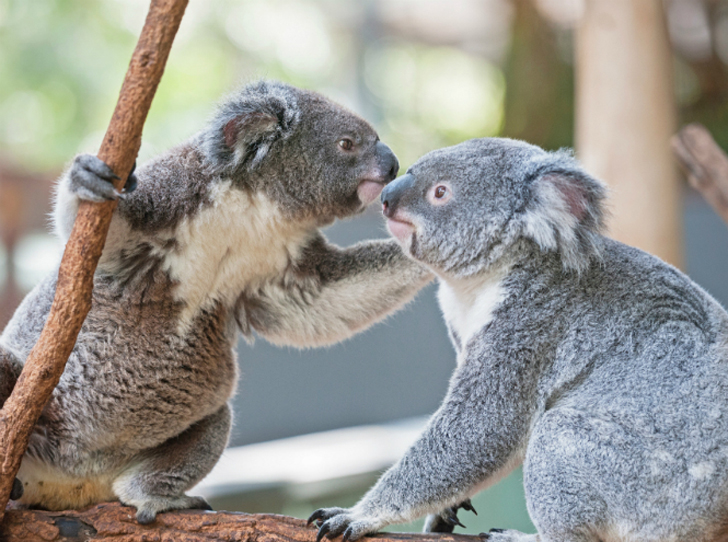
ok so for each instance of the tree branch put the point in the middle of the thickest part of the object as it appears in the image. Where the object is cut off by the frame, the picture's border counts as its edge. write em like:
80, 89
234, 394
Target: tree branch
47, 359
112, 522
706, 165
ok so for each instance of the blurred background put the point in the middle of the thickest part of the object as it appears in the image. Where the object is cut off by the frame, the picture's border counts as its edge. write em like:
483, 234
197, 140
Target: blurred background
613, 78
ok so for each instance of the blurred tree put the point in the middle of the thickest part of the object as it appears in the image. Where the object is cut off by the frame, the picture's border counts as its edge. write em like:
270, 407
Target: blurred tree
626, 114
539, 103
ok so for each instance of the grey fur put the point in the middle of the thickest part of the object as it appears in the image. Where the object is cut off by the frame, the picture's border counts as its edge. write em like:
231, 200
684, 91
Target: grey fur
599, 367
221, 232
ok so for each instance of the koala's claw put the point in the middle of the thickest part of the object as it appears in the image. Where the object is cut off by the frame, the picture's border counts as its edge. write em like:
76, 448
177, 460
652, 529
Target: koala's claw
323, 531
131, 181
93, 180
322, 514
453, 520
341, 521
17, 490
445, 521
468, 505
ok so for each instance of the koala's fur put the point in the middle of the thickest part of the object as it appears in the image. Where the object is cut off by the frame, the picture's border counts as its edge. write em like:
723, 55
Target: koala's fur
222, 233
599, 367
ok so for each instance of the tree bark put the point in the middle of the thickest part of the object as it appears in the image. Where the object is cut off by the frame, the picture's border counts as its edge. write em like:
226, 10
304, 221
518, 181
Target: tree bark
112, 522
625, 116
47, 359
706, 165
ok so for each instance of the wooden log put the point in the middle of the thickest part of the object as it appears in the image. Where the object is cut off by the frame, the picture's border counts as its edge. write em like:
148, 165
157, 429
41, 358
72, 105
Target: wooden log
112, 522
705, 164
46, 361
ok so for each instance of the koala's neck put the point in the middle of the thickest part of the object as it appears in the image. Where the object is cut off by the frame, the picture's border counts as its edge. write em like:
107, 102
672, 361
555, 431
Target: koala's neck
236, 241
468, 303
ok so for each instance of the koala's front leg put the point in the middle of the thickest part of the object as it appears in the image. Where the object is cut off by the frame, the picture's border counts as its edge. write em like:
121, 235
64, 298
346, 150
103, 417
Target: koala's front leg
90, 179
332, 293
156, 480
479, 432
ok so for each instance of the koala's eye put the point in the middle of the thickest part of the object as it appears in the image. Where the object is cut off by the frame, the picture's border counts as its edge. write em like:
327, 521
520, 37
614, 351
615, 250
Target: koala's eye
439, 194
346, 144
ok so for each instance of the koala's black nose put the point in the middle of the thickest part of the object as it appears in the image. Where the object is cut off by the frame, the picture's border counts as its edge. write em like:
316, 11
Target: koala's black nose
387, 161
393, 192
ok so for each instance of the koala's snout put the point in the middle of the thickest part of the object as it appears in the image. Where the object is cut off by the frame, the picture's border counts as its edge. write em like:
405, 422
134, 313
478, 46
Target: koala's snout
388, 163
383, 172
393, 192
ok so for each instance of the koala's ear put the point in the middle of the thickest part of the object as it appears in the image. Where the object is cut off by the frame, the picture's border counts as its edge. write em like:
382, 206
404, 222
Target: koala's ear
564, 212
247, 124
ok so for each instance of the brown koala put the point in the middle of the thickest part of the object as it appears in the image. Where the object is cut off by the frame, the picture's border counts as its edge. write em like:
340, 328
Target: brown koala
221, 233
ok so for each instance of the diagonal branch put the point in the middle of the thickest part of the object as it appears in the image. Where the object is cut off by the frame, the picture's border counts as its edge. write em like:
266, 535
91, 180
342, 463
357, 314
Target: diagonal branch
46, 361
706, 165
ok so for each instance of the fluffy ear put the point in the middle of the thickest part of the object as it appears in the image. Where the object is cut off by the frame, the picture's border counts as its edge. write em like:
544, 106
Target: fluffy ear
564, 211
248, 123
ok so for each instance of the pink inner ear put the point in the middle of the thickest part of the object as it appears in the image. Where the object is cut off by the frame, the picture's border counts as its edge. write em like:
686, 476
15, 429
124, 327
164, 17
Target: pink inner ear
253, 124
573, 194
230, 133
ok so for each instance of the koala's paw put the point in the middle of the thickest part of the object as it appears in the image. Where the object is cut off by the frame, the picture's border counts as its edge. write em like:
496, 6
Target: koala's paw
508, 535
445, 521
147, 511
344, 521
91, 179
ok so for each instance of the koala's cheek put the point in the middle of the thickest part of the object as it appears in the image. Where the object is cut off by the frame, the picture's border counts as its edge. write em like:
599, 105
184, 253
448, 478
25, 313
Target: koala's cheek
400, 230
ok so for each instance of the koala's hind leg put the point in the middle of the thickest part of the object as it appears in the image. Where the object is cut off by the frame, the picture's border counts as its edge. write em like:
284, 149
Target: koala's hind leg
508, 535
157, 479
445, 521
573, 479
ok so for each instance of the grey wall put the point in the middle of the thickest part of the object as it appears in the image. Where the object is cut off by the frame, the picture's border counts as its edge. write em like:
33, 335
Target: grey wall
398, 368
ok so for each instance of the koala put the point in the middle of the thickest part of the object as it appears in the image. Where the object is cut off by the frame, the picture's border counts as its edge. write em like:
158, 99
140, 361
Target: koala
221, 234
598, 367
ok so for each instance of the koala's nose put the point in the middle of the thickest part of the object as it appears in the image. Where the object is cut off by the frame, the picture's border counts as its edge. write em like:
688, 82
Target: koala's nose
393, 192
387, 161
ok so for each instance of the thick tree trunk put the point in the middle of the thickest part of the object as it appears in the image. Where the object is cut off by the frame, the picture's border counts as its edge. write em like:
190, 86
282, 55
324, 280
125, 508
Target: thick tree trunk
45, 363
625, 116
115, 523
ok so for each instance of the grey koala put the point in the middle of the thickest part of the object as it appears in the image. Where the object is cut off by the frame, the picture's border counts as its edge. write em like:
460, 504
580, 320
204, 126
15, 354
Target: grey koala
601, 369
221, 233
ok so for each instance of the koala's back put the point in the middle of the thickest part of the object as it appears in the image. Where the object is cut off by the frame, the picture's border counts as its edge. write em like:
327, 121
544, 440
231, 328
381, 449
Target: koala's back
636, 396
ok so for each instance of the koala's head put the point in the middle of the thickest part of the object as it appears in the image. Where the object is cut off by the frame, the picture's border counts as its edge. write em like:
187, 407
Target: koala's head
311, 156
461, 209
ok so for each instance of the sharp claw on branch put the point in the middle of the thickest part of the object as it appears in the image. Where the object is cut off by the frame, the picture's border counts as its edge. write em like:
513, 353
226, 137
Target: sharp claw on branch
322, 532
467, 505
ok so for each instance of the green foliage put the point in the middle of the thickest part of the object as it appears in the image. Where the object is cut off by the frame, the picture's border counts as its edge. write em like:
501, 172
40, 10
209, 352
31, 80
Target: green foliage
63, 62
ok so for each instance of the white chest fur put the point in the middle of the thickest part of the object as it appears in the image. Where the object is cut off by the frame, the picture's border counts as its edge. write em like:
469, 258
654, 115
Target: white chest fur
468, 304
238, 242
